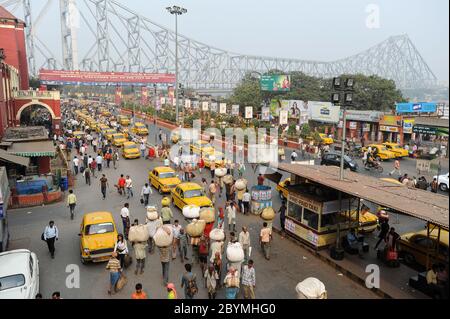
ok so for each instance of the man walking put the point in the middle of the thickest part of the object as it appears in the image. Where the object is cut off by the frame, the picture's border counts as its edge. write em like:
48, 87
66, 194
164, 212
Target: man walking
115, 158
189, 283
176, 228
87, 176
104, 185
434, 185
244, 240
76, 165
125, 216
143, 148
50, 235
264, 238
72, 202
212, 192
231, 216
129, 186
99, 160
164, 255
145, 193
183, 245
248, 280
396, 168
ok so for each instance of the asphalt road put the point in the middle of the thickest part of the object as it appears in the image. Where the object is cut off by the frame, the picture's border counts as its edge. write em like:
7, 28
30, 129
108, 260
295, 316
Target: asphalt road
276, 278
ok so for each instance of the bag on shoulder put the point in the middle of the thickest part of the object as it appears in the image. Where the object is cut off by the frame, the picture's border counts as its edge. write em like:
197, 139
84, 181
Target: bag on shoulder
192, 288
121, 282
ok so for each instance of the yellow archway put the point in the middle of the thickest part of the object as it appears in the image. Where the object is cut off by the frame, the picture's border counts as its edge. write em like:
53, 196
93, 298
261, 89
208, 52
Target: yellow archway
19, 113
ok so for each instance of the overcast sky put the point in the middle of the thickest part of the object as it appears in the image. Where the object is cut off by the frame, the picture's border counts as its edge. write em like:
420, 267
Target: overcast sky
316, 30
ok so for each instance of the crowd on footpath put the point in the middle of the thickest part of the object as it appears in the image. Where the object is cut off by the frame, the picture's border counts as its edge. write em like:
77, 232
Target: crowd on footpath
216, 271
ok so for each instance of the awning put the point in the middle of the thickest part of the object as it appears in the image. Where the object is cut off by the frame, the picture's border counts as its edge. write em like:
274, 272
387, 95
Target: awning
6, 157
33, 149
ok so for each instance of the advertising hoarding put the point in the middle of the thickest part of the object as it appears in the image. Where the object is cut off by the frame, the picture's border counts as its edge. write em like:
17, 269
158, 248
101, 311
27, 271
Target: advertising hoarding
265, 114
421, 107
205, 106
248, 112
408, 126
235, 110
187, 103
284, 117
59, 77
324, 112
214, 107
275, 83
118, 96
223, 108
391, 120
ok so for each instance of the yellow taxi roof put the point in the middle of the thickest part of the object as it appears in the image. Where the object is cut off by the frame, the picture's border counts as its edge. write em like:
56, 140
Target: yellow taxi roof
98, 218
163, 169
129, 143
139, 124
189, 186
434, 233
118, 135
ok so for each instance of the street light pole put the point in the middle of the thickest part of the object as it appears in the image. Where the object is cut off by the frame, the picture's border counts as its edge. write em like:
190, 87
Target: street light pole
176, 11
344, 133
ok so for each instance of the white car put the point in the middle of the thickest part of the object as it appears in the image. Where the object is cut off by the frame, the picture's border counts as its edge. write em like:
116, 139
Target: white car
442, 182
19, 275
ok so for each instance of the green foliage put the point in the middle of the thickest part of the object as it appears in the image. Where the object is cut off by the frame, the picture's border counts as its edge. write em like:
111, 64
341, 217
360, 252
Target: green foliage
305, 131
34, 83
370, 92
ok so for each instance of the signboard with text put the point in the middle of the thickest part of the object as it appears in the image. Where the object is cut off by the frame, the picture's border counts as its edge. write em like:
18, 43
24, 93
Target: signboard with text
276, 83
324, 112
416, 107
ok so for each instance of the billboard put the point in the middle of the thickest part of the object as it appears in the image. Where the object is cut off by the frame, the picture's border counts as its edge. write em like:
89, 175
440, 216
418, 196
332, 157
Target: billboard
214, 107
275, 83
118, 96
324, 112
187, 104
265, 114
223, 108
59, 77
235, 110
284, 117
205, 106
248, 112
408, 126
144, 95
416, 108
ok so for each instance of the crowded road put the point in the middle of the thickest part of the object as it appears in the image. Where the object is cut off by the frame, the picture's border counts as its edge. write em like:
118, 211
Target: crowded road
276, 278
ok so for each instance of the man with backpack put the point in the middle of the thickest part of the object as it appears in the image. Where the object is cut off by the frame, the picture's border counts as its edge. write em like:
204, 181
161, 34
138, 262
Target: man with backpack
189, 283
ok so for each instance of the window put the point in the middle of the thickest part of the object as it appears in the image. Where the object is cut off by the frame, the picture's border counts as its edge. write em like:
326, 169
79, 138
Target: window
328, 220
167, 175
31, 266
96, 229
13, 281
194, 193
295, 211
310, 219
423, 242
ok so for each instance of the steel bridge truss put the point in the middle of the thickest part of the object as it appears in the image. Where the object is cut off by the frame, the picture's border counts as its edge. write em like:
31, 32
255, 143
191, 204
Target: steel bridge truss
122, 40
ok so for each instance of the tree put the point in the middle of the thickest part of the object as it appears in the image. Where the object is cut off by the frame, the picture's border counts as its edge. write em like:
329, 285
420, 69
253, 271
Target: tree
370, 92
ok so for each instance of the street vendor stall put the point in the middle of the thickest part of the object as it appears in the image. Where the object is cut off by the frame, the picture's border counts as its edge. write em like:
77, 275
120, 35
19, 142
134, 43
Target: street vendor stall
261, 198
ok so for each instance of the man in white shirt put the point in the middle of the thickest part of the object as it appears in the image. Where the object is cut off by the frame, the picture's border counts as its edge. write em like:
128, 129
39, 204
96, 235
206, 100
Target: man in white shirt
176, 227
244, 240
143, 147
49, 236
246, 202
99, 160
145, 193
231, 216
76, 164
129, 187
125, 216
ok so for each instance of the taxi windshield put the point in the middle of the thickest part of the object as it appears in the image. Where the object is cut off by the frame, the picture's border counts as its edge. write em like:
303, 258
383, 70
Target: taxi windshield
119, 137
193, 193
167, 175
96, 229
130, 146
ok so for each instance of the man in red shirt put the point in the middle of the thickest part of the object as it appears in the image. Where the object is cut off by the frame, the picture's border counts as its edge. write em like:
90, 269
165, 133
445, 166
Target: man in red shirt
260, 179
121, 185
139, 294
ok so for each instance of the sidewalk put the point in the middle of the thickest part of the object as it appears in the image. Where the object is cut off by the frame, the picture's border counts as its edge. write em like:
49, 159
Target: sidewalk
393, 281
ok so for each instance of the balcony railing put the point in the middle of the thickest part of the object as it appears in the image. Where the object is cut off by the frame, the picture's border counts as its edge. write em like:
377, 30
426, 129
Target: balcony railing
30, 94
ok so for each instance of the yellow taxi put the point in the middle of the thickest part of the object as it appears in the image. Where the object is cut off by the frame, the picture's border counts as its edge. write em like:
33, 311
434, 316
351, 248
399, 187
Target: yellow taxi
326, 140
380, 152
281, 188
139, 129
164, 179
218, 157
202, 147
109, 133
397, 149
413, 247
98, 235
190, 194
123, 120
125, 131
118, 139
78, 134
102, 127
130, 150
368, 222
